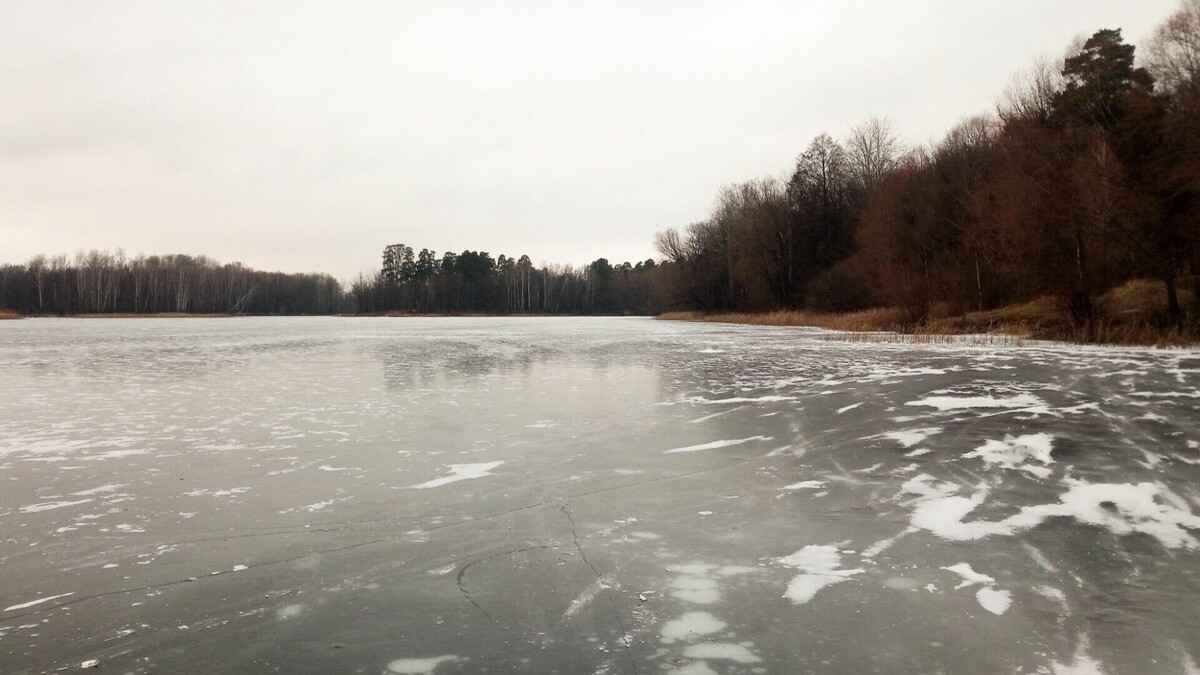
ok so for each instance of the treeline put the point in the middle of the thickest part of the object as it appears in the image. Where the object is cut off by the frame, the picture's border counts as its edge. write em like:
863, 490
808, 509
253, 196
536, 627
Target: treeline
473, 281
1086, 175
99, 282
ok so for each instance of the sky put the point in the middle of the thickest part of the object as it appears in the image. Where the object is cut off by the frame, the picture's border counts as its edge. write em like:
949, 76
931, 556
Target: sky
303, 137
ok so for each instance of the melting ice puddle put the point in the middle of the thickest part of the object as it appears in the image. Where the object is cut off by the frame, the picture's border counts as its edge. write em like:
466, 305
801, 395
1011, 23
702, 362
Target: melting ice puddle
696, 668
723, 651
717, 444
289, 611
697, 589
420, 666
690, 625
460, 472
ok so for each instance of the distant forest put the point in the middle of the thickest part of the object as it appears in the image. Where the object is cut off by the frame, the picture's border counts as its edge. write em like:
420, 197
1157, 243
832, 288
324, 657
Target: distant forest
472, 281
98, 282
1087, 175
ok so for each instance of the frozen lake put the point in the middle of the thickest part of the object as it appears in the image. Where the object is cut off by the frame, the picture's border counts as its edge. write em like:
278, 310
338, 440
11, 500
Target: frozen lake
589, 496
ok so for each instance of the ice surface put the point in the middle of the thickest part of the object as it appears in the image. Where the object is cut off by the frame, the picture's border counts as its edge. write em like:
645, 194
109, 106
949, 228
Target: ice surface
250, 482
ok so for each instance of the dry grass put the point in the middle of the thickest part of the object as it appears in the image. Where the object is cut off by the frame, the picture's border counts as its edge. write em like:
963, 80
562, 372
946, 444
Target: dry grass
1041, 318
866, 320
6, 314
1131, 314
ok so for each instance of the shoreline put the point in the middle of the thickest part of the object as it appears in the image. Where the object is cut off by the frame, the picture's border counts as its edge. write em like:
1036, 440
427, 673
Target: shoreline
1007, 326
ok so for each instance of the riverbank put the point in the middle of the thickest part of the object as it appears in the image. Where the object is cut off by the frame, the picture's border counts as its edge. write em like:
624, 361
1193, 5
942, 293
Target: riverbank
6, 315
1129, 315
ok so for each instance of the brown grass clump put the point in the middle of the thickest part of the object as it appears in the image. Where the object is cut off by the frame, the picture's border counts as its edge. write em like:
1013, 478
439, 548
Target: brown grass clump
6, 314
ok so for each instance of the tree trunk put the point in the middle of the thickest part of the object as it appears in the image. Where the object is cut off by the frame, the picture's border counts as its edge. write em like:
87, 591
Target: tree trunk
1173, 312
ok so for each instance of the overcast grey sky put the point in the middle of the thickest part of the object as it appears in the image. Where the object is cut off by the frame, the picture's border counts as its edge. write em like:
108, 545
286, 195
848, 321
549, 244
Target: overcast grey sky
306, 136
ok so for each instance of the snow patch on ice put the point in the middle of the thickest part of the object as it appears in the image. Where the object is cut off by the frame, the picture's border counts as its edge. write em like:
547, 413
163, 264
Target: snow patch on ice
460, 472
944, 403
1121, 508
912, 437
111, 487
420, 666
717, 444
820, 567
969, 575
805, 485
50, 506
1015, 453
994, 601
32, 603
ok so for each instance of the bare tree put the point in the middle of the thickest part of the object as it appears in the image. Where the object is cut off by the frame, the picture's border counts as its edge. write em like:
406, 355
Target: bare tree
1174, 51
873, 150
1031, 93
